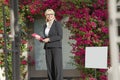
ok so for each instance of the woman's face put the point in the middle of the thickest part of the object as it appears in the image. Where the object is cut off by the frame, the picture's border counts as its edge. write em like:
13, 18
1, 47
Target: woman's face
50, 17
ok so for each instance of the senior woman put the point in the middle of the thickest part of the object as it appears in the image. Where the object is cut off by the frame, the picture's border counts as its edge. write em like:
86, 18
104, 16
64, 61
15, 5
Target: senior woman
53, 46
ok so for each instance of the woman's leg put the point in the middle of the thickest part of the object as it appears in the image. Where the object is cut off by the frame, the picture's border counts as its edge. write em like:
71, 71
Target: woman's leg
49, 64
58, 66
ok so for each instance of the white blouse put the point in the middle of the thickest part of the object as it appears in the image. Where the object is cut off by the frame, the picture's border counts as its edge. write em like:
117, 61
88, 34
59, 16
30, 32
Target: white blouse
49, 24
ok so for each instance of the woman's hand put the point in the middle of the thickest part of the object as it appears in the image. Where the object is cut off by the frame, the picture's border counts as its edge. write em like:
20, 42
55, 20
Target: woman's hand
46, 40
37, 37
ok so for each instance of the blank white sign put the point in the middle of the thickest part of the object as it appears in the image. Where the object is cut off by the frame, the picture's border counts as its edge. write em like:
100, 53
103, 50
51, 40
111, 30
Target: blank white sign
96, 57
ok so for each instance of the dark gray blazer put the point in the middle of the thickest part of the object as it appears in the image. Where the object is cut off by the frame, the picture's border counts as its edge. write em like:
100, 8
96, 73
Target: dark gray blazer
55, 35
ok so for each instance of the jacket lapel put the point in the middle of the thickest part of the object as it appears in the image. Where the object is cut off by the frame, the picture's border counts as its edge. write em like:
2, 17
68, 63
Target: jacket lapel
52, 27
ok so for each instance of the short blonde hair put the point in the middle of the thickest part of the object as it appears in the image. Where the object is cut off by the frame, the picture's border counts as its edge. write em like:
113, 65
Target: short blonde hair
49, 11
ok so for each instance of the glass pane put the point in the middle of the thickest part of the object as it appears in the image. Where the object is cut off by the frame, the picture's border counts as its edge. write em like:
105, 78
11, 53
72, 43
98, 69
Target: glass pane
118, 5
119, 51
118, 30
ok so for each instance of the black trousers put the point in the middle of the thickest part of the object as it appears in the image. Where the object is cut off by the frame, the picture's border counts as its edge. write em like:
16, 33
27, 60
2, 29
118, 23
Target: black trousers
54, 63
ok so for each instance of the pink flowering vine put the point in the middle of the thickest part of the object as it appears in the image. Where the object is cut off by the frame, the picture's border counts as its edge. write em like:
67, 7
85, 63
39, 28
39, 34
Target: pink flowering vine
87, 23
